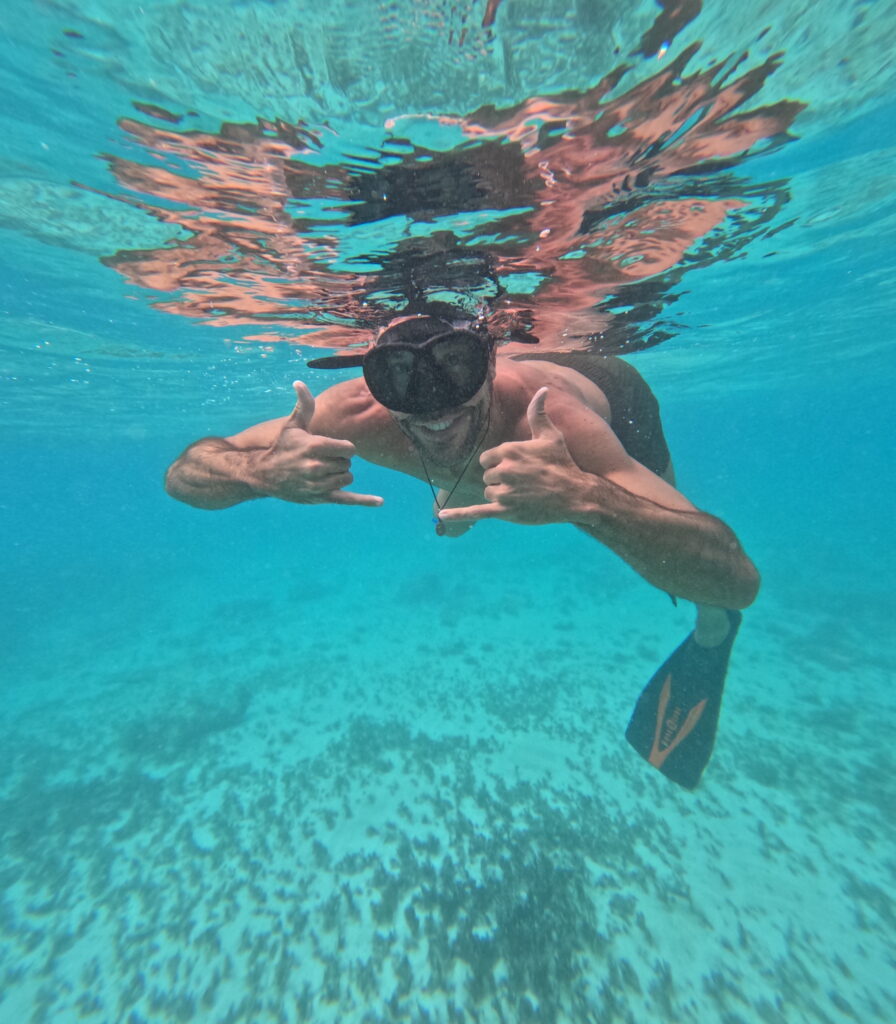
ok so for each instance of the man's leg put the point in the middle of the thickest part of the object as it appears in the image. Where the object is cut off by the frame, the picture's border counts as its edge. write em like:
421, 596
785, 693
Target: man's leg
712, 627
674, 722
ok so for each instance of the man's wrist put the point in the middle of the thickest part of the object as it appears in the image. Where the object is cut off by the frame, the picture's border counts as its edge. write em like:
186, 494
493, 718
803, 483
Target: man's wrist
594, 504
236, 468
248, 470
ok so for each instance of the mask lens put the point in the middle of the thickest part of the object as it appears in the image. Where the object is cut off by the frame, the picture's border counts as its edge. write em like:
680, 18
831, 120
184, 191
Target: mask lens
428, 378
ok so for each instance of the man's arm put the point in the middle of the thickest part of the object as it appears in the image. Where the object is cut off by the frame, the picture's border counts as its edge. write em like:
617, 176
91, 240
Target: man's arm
688, 553
213, 473
617, 501
278, 459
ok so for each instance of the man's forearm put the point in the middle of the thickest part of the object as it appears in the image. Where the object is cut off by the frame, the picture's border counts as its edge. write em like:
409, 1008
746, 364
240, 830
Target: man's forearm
211, 474
687, 553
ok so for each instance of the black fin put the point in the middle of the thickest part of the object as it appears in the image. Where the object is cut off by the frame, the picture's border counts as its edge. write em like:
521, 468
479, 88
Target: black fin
674, 722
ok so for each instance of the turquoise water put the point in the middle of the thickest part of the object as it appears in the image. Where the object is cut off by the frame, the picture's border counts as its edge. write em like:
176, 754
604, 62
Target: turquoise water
318, 764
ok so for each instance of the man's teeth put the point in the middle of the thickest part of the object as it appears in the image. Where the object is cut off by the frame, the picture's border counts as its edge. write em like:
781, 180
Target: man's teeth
439, 424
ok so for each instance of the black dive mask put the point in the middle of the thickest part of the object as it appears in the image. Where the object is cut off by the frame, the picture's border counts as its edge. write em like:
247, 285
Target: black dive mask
423, 365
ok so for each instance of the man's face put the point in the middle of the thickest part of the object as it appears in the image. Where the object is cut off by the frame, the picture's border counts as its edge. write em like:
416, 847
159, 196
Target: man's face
451, 437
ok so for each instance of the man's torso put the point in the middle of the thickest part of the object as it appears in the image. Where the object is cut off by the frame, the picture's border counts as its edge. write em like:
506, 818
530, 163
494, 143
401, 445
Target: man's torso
375, 434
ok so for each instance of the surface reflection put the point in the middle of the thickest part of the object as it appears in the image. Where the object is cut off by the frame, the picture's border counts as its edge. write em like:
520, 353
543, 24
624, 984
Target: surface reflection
569, 218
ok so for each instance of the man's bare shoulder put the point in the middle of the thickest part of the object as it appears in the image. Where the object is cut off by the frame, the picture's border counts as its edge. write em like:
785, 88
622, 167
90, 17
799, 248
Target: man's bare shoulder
349, 411
528, 376
578, 413
346, 410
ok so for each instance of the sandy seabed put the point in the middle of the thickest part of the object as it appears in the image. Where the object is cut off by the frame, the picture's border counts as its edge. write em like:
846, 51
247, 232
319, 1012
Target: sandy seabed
297, 810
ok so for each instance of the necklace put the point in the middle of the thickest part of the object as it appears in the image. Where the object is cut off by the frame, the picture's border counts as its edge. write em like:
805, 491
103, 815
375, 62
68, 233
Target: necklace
440, 529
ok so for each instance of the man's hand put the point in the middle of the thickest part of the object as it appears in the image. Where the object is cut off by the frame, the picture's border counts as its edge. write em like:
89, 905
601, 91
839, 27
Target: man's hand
307, 468
444, 529
530, 482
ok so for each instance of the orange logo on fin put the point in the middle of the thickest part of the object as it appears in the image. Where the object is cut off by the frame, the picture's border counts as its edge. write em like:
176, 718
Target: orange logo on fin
657, 754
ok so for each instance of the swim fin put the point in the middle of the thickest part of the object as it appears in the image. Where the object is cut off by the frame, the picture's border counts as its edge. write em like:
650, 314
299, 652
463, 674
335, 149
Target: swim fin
674, 722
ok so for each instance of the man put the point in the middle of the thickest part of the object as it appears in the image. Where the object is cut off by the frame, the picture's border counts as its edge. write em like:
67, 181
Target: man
553, 438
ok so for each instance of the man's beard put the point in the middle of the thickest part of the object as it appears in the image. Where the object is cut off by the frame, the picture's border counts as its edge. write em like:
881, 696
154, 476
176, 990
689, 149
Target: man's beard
459, 442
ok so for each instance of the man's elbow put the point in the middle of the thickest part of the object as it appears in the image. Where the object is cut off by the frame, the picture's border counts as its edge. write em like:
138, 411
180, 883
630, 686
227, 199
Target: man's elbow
173, 483
177, 486
747, 587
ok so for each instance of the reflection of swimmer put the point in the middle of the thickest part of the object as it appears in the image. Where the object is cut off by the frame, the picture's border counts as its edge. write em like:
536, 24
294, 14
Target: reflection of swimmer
586, 203
572, 438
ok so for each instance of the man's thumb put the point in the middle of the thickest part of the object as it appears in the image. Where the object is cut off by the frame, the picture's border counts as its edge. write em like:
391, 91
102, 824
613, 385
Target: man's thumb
540, 423
304, 409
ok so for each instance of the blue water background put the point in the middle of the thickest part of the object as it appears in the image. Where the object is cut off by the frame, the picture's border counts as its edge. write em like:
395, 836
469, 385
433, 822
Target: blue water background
777, 402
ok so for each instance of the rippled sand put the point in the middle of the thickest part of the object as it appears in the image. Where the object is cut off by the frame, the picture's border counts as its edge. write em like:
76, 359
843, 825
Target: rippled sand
321, 810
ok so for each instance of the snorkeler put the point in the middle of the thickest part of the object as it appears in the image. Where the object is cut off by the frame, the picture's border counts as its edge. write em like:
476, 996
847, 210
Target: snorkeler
553, 438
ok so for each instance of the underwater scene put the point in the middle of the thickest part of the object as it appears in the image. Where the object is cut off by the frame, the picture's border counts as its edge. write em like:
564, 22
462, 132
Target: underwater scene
320, 755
